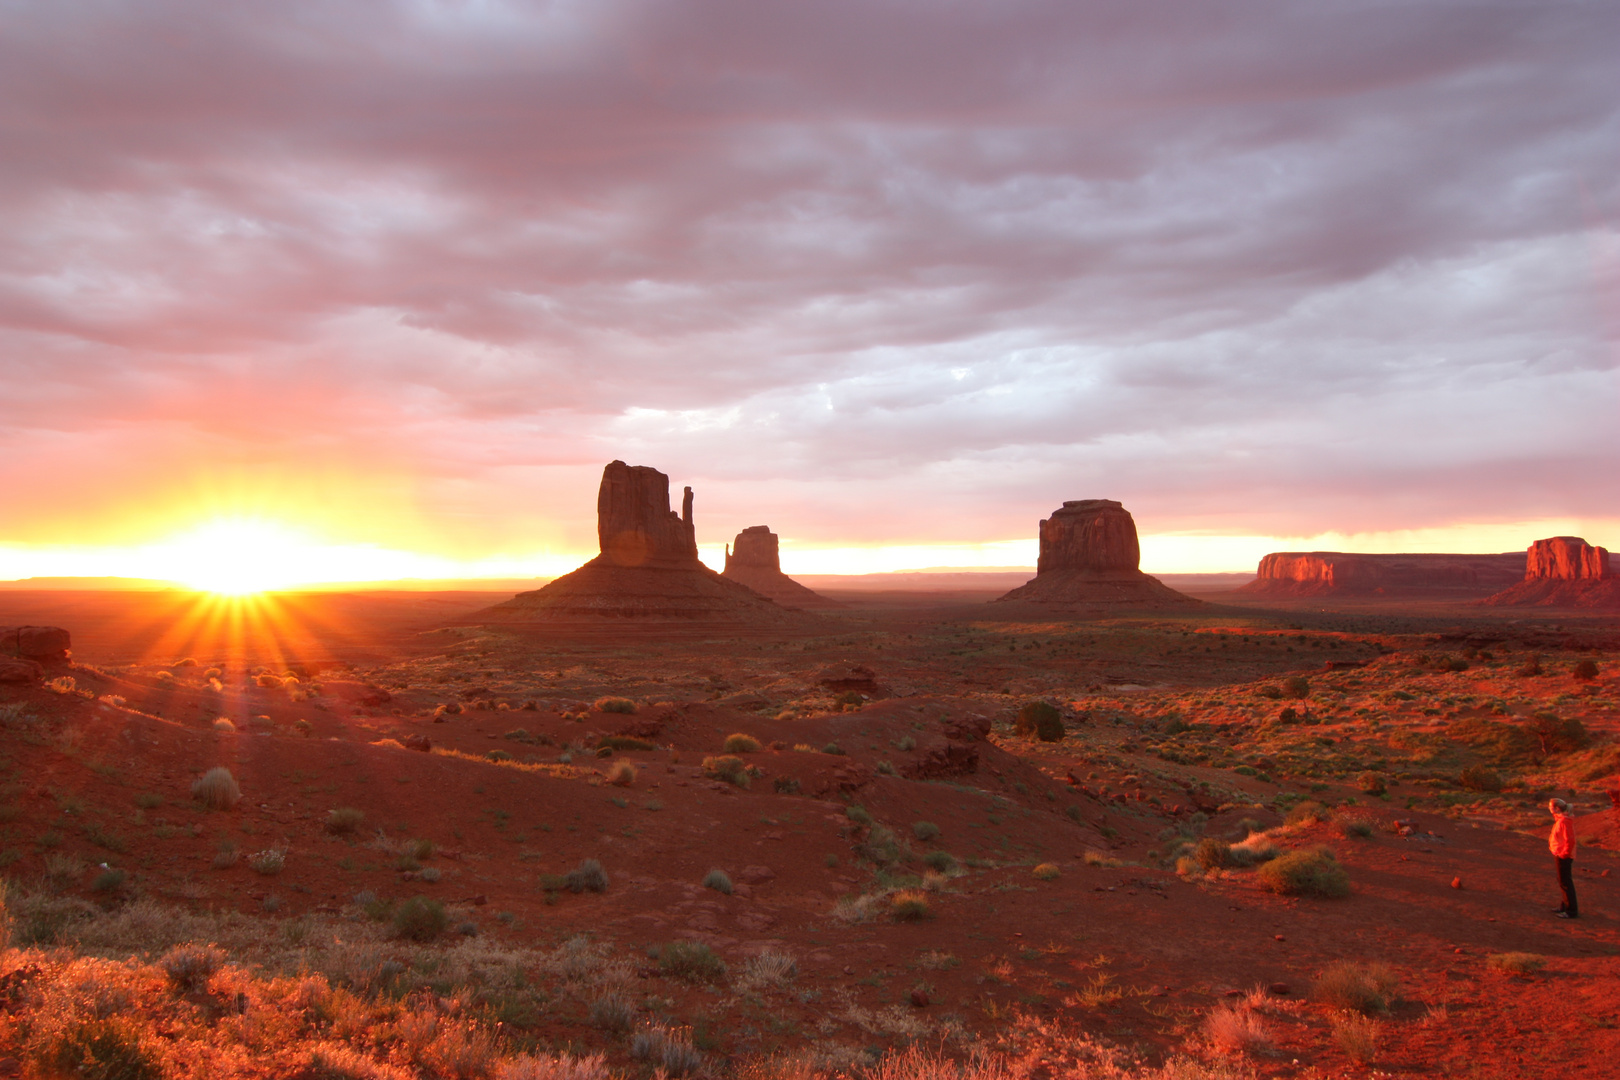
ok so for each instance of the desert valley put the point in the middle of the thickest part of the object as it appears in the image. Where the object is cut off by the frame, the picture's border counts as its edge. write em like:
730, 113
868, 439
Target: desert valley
651, 819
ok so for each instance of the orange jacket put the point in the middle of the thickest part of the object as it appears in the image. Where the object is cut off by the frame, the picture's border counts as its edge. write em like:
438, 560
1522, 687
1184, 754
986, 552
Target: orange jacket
1562, 840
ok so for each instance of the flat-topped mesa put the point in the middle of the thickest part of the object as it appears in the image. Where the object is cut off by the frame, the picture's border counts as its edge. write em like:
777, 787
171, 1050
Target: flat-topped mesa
1332, 573
1090, 536
634, 524
754, 559
1566, 558
1563, 571
1089, 559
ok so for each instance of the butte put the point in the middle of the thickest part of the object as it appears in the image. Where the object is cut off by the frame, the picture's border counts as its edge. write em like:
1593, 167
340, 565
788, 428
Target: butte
1563, 571
648, 572
754, 559
1089, 562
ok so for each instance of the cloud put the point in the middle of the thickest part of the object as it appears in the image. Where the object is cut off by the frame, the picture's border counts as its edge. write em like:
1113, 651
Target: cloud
886, 272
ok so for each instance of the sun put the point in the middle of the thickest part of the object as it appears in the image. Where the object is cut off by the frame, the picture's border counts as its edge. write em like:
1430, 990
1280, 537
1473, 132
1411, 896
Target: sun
239, 557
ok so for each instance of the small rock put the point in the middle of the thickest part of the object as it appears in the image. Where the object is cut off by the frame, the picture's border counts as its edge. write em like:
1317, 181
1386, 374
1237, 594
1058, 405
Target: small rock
1279, 989
1456, 883
919, 999
1279, 937
10, 1066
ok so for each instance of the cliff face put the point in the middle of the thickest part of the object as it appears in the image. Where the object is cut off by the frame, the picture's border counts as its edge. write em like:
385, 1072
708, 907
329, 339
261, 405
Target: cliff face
1089, 559
1563, 571
754, 560
1329, 573
634, 524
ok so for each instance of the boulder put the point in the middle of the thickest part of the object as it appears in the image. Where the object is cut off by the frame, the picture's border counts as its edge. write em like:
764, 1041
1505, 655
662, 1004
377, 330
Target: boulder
1563, 571
1089, 560
754, 560
17, 670
43, 643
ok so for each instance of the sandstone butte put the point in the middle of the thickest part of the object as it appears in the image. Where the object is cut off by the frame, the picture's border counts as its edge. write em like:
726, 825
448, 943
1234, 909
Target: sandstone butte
1090, 559
1341, 573
1563, 571
648, 571
754, 559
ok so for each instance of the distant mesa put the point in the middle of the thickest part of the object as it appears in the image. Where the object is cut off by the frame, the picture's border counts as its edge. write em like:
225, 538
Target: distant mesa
1563, 571
648, 571
754, 560
1090, 559
1342, 573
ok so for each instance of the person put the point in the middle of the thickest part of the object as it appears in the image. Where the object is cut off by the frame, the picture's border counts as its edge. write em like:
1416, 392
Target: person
1562, 844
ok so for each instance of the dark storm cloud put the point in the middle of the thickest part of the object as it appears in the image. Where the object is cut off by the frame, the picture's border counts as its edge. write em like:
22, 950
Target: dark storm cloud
1253, 266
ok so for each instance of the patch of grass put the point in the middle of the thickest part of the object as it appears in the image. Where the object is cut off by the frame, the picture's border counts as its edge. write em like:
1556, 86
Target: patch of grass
925, 831
692, 961
625, 742
148, 800
105, 838
616, 705
1357, 1036
216, 789
718, 880
739, 743
1307, 813
1235, 1029
269, 862
420, 918
942, 861
858, 814
1306, 872
588, 876
1516, 963
1046, 871
1362, 988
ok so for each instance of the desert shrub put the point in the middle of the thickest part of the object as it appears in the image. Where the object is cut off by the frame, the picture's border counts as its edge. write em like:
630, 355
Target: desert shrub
909, 905
622, 774
612, 1013
62, 684
216, 789
268, 862
1372, 783
1363, 988
942, 861
116, 1047
1357, 1036
1074, 812
1307, 813
1354, 824
885, 768
1306, 872
925, 830
494, 755
1235, 1029
344, 820
850, 699
613, 742
1518, 963
1557, 735
1296, 687
718, 880
420, 918
1041, 720
1498, 743
1212, 854
785, 785
858, 814
1046, 871
429, 875
669, 1050
906, 744
1480, 778
227, 855
304, 728
190, 966
552, 1067
1585, 670
588, 876
690, 960
224, 725
615, 705
739, 743
109, 880
733, 770
266, 680
770, 967
833, 748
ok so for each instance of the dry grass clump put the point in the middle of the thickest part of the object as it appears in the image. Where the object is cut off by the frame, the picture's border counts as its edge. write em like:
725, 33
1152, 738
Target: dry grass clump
770, 968
1307, 813
1372, 783
1516, 963
1046, 871
216, 789
588, 876
733, 770
615, 705
622, 774
718, 880
925, 831
1355, 823
269, 862
224, 726
1257, 847
549, 1067
690, 960
909, 905
739, 743
1235, 1029
1357, 1036
1362, 988
344, 821
668, 1049
190, 966
420, 919
1212, 854
1306, 872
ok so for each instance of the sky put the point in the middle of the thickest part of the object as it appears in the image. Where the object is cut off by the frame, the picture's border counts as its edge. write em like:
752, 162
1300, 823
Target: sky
376, 289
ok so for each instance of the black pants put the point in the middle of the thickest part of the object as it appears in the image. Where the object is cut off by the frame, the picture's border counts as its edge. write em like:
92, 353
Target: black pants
1566, 882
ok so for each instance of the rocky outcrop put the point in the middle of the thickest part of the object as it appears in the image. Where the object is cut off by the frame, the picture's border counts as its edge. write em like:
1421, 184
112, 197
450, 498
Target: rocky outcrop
1563, 571
648, 572
754, 559
42, 643
1333, 573
17, 670
634, 524
1089, 560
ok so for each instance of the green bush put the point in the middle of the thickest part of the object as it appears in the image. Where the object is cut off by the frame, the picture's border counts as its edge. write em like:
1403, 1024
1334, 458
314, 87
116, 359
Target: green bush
420, 919
733, 770
1040, 719
216, 789
690, 960
718, 880
615, 705
1363, 988
925, 831
588, 876
739, 743
1306, 872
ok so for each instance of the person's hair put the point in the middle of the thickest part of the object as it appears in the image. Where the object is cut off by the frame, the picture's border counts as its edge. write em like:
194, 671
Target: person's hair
1559, 805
